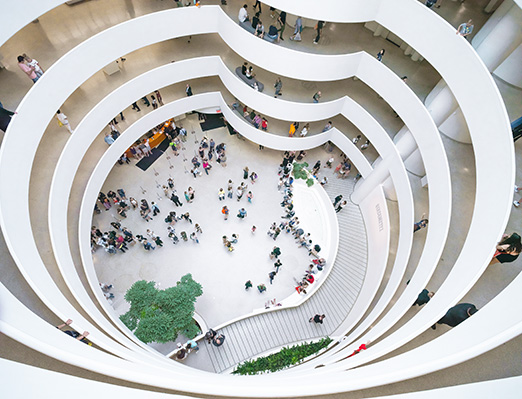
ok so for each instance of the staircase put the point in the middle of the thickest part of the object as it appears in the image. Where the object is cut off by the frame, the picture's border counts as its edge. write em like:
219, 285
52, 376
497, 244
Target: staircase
255, 335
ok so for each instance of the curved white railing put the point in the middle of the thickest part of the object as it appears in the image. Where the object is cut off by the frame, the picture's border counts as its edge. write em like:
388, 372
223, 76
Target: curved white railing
400, 88
496, 201
190, 69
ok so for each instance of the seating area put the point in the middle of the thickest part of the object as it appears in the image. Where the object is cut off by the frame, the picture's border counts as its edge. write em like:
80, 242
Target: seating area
383, 128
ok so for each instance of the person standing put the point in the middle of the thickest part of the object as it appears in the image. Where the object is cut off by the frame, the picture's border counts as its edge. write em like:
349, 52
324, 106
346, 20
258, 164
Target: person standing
225, 212
146, 101
230, 188
293, 128
108, 139
424, 297
327, 127
278, 87
248, 285
304, 130
188, 90
380, 54
29, 71
317, 319
465, 29
282, 22
337, 200
319, 29
155, 208
298, 27
158, 96
316, 97
423, 223
508, 249
154, 102
245, 173
457, 314
63, 121
174, 198
31, 62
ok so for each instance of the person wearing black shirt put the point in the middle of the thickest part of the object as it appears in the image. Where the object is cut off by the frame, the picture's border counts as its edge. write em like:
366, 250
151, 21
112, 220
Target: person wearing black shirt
282, 21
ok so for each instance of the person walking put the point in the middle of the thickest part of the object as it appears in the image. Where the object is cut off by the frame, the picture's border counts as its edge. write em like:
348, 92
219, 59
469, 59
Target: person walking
155, 209
340, 206
108, 139
154, 102
282, 23
221, 194
245, 173
248, 285
242, 213
457, 314
317, 319
257, 4
188, 90
293, 128
146, 101
424, 297
316, 97
135, 106
422, 224
278, 87
271, 276
319, 29
230, 188
174, 198
225, 212
158, 96
64, 121
380, 54
298, 28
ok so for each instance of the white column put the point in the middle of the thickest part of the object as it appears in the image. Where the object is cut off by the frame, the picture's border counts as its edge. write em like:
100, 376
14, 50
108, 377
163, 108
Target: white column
409, 152
494, 43
490, 6
378, 175
510, 70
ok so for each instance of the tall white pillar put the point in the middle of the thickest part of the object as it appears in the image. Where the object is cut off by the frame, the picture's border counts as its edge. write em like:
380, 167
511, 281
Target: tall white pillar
510, 70
494, 43
378, 175
490, 6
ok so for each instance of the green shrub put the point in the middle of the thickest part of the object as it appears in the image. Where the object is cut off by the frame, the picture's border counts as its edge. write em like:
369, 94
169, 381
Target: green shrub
284, 358
159, 315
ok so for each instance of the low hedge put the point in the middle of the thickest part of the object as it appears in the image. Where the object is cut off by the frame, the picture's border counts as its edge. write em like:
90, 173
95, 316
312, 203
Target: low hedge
284, 358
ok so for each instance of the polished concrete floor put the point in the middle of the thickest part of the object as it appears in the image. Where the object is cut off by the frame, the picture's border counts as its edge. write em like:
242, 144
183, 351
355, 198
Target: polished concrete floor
64, 27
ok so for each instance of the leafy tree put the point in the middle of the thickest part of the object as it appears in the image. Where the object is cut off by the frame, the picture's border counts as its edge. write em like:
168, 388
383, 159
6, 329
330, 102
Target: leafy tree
300, 172
159, 315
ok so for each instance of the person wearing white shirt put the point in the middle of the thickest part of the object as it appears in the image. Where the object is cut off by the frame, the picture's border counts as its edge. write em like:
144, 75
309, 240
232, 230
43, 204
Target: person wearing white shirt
243, 14
63, 121
304, 132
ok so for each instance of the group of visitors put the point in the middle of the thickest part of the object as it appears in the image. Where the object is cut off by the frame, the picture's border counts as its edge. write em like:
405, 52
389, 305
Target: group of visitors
119, 238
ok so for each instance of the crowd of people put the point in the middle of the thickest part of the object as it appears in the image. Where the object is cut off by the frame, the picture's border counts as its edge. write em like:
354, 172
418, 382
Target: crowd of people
290, 225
